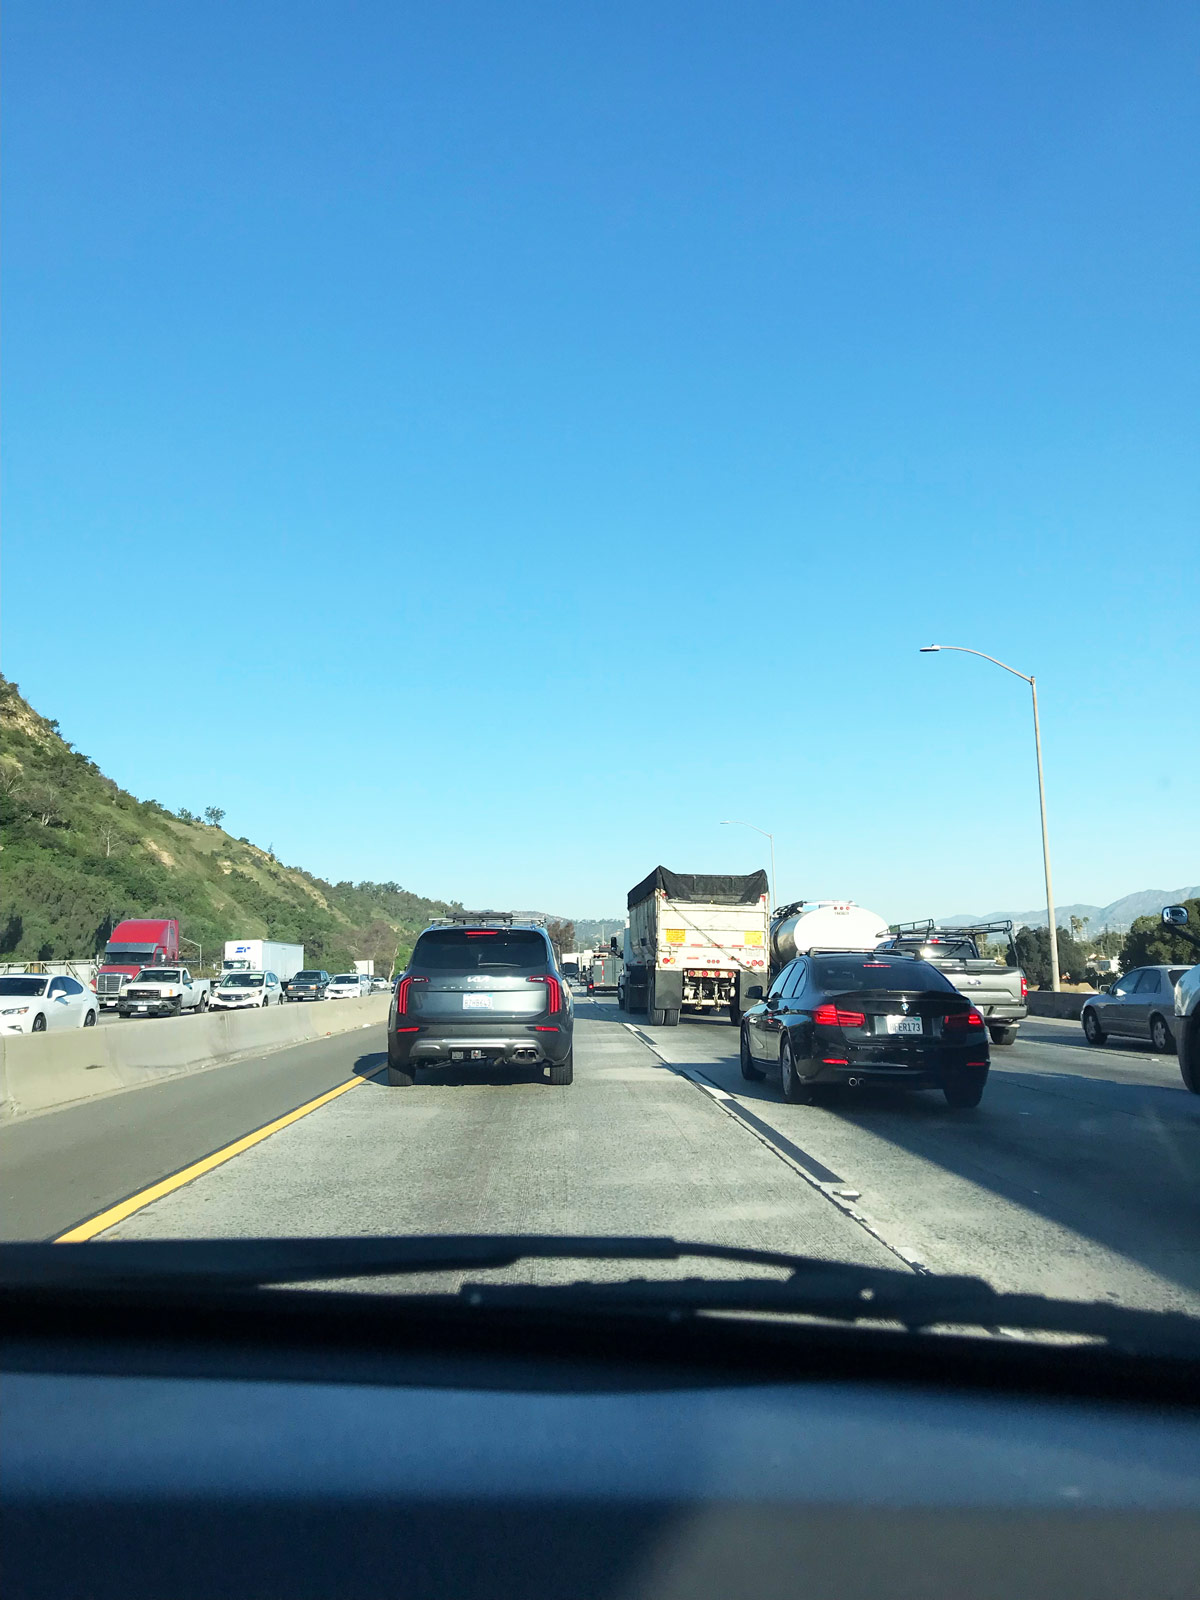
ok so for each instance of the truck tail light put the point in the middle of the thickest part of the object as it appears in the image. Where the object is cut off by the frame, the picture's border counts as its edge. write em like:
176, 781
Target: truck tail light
553, 993
961, 1021
1024, 987
830, 1016
402, 989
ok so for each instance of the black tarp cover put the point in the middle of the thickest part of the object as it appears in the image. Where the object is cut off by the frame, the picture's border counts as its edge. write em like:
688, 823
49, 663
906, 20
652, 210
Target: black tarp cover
716, 888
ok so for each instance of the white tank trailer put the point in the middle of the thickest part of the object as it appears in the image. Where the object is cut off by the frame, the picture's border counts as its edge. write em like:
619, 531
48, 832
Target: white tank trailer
822, 925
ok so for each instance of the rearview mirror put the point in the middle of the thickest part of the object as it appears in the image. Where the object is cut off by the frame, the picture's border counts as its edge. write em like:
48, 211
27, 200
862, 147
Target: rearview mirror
754, 992
1176, 916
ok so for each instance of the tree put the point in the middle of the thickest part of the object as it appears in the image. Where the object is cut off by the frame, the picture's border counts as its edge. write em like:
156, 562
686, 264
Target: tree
1150, 942
187, 816
562, 935
108, 837
1033, 953
43, 801
1078, 924
214, 816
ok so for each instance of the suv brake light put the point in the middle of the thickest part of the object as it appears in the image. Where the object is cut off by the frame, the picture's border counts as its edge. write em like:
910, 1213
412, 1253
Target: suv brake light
402, 989
553, 993
830, 1016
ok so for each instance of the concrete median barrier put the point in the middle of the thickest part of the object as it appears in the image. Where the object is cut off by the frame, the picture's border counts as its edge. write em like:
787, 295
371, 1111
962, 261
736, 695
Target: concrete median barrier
1068, 1003
44, 1070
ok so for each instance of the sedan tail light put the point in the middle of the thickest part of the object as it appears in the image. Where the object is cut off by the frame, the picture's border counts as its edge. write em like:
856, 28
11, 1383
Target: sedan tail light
553, 993
961, 1021
830, 1016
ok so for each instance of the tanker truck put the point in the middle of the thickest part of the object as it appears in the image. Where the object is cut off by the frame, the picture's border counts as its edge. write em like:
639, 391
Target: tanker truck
822, 925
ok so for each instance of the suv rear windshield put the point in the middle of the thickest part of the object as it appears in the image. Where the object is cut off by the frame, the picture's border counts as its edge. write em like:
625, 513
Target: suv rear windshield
480, 950
867, 972
941, 949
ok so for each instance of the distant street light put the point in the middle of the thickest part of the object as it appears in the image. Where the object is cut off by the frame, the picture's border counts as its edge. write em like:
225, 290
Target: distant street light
928, 649
732, 822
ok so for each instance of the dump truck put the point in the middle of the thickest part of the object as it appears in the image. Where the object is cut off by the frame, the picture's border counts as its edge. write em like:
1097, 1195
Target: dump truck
697, 942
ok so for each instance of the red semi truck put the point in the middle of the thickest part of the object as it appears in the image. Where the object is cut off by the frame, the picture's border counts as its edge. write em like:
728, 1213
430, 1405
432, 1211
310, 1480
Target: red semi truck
150, 942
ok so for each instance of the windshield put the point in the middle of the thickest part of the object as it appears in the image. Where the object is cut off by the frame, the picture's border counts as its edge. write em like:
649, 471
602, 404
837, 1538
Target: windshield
450, 950
29, 987
864, 973
659, 500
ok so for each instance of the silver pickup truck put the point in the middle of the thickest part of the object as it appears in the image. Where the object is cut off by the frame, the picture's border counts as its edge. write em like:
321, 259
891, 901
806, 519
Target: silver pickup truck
164, 992
995, 985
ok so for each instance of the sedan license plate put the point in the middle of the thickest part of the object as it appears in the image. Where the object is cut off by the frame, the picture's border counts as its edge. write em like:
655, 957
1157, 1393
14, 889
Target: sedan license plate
904, 1025
477, 1002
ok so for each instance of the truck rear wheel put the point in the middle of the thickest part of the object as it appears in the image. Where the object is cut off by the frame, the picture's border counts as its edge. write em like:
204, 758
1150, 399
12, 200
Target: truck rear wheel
671, 1017
1003, 1033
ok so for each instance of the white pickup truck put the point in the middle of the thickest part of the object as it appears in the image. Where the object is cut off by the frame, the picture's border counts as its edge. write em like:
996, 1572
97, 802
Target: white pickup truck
164, 992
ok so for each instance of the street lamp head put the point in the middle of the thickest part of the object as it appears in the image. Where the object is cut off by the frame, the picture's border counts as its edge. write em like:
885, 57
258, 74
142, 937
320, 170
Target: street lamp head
927, 649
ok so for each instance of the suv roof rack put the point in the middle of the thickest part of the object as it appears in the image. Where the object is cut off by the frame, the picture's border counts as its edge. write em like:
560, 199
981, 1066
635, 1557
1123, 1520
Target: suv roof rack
505, 918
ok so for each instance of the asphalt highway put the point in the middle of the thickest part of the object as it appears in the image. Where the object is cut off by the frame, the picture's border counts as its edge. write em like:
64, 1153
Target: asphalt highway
1079, 1174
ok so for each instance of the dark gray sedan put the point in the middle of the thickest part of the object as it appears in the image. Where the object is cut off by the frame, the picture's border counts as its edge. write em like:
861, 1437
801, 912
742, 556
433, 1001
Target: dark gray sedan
1141, 1005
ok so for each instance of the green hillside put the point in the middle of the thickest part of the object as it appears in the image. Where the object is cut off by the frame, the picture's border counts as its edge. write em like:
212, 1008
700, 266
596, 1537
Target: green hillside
79, 853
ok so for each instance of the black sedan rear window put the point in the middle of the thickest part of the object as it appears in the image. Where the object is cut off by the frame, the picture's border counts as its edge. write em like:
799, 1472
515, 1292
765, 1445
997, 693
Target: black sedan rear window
479, 950
867, 972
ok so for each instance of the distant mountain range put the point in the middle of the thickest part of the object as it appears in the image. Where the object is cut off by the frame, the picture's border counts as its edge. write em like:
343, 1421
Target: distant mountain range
1117, 916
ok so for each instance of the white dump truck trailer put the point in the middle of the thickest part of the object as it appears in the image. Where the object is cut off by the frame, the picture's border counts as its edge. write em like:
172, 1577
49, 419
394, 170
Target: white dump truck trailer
697, 942
822, 925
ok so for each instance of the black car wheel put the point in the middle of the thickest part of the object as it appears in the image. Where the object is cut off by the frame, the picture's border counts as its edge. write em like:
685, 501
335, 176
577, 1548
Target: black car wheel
750, 1072
793, 1089
90, 1020
563, 1071
1092, 1031
1003, 1033
1160, 1035
965, 1092
39, 1024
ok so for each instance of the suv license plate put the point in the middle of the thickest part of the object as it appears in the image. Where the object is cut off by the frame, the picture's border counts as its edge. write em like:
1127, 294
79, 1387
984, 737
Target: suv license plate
904, 1025
477, 1002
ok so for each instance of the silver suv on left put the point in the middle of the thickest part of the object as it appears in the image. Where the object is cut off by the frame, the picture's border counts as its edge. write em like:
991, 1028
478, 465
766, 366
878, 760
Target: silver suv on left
481, 988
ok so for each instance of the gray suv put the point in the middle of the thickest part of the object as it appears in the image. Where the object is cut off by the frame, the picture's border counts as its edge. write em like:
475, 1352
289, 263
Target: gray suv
1141, 1005
481, 988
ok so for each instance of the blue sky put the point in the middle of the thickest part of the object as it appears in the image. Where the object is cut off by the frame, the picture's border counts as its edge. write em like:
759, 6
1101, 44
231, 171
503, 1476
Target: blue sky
486, 445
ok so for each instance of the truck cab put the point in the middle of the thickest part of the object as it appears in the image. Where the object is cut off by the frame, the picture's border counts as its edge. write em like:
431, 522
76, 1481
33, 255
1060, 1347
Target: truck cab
132, 947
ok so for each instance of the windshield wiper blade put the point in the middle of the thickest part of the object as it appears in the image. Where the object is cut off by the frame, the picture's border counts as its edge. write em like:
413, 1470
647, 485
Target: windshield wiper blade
253, 1263
838, 1290
862, 1294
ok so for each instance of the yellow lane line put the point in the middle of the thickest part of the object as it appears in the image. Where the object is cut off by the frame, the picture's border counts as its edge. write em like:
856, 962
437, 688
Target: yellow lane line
145, 1197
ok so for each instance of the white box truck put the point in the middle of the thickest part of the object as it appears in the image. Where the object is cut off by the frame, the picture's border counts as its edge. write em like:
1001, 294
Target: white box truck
366, 968
263, 955
697, 942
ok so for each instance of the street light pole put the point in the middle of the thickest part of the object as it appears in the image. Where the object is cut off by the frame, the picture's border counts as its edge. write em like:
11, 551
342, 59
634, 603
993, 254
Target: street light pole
732, 822
929, 649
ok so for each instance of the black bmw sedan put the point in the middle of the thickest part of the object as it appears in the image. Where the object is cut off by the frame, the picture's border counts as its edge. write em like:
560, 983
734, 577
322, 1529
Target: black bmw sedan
859, 1017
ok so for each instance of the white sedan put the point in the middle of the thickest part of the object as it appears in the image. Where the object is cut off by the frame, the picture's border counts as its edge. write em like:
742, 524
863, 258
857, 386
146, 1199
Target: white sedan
348, 986
32, 1004
236, 991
